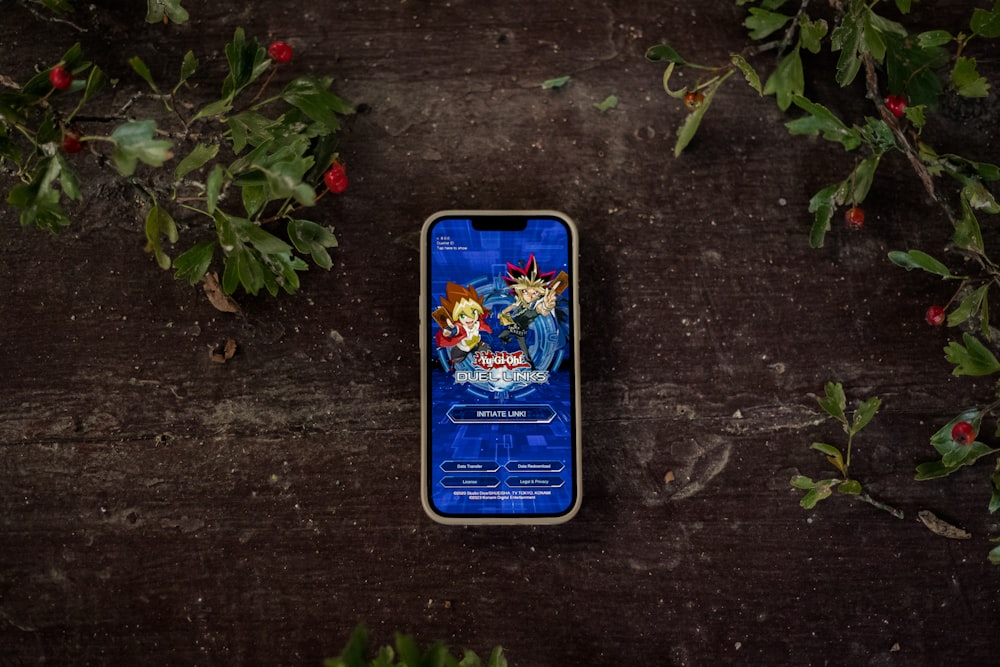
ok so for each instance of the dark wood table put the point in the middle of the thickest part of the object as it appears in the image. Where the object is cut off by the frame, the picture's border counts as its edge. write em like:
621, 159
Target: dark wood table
158, 506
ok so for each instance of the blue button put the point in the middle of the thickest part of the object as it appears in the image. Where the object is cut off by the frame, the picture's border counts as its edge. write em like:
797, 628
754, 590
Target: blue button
501, 414
534, 466
470, 466
534, 482
470, 482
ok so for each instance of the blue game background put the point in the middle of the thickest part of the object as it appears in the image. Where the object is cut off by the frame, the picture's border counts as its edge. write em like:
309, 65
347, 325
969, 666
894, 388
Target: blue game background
481, 262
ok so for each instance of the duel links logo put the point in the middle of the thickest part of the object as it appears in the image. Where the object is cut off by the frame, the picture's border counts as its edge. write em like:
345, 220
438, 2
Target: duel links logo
501, 366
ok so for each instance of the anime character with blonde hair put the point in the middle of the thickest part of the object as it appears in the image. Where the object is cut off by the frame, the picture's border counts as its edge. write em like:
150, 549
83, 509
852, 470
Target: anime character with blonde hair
462, 318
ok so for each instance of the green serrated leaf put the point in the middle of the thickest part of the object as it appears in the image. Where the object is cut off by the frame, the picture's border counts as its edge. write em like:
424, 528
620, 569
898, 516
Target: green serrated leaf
787, 81
192, 264
864, 413
247, 61
973, 358
971, 304
986, 23
196, 159
966, 80
968, 234
834, 402
159, 223
822, 490
749, 73
312, 239
762, 22
134, 143
312, 97
811, 33
161, 10
822, 205
822, 120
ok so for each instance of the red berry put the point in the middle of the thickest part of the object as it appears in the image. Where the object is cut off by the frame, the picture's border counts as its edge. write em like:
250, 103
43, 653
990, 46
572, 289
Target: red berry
60, 78
896, 105
693, 100
280, 52
935, 316
71, 142
963, 433
855, 217
336, 178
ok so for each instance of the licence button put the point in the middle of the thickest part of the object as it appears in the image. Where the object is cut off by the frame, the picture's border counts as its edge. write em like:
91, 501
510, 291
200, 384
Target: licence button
470, 482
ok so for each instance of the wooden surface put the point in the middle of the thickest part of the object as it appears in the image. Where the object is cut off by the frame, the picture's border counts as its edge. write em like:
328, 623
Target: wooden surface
157, 506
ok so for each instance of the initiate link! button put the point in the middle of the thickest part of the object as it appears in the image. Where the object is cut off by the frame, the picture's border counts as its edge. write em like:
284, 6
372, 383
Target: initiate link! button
501, 414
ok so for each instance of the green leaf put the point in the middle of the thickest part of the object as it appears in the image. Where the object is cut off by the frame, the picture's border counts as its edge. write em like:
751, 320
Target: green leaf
762, 22
687, 130
823, 490
850, 486
142, 70
196, 159
134, 143
38, 201
158, 10
968, 234
971, 359
847, 39
497, 658
864, 413
803, 482
662, 52
994, 555
213, 187
917, 259
971, 304
933, 38
811, 33
834, 456
749, 73
933, 470
942, 440
247, 61
609, 102
254, 198
822, 205
822, 120
862, 178
835, 401
159, 223
216, 108
312, 97
787, 81
96, 80
986, 23
188, 67
966, 80
557, 82
192, 264
312, 239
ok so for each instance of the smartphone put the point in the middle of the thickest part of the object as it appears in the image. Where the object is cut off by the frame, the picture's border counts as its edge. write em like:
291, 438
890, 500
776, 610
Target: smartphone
500, 369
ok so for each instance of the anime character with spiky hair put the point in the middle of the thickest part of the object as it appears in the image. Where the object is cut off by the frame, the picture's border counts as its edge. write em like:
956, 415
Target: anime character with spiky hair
462, 318
535, 295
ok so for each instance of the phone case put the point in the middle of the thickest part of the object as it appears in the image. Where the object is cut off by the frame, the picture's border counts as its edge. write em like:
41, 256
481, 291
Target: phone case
517, 481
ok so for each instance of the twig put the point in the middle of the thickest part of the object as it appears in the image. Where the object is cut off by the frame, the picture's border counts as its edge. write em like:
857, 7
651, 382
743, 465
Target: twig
898, 513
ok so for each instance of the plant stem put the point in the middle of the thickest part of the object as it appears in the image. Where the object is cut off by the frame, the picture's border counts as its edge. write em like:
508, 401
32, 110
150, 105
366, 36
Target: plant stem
898, 513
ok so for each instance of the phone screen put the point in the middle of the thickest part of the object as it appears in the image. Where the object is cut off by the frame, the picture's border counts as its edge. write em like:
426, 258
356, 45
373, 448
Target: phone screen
501, 426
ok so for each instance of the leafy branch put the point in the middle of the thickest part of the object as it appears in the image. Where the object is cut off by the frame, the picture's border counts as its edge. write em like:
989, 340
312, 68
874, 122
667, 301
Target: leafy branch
406, 653
834, 403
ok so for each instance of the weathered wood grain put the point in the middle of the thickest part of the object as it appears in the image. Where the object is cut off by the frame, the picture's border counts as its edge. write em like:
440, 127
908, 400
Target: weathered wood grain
159, 506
